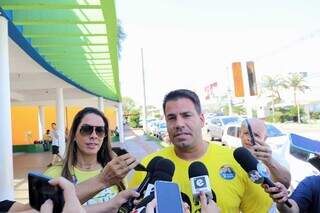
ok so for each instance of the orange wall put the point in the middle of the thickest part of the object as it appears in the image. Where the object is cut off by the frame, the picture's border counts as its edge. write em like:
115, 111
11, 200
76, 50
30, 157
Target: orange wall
111, 115
25, 121
24, 124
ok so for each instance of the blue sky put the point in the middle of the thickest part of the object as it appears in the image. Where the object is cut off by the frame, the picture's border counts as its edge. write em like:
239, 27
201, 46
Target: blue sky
191, 44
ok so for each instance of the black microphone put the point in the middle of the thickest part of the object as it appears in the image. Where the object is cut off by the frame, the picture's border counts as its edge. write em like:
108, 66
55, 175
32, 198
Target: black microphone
199, 178
164, 171
158, 175
151, 168
250, 164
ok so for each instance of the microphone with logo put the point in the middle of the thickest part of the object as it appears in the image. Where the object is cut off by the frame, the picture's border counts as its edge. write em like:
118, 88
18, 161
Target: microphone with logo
256, 171
151, 168
199, 178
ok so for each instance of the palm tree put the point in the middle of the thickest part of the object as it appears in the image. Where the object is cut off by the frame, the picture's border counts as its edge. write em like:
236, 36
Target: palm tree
273, 85
296, 81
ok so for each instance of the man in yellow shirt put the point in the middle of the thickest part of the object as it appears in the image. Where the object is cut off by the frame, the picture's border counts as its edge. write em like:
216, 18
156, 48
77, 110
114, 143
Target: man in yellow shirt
232, 186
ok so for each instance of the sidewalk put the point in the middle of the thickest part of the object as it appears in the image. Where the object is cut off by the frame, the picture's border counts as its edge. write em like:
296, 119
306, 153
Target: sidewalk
135, 142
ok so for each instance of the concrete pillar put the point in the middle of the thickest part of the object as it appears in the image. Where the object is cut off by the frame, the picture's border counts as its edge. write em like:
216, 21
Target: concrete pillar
6, 168
60, 120
100, 104
120, 123
41, 122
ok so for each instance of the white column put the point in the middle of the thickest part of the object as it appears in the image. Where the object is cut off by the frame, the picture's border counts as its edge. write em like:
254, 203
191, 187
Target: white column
100, 104
120, 123
41, 122
60, 120
6, 168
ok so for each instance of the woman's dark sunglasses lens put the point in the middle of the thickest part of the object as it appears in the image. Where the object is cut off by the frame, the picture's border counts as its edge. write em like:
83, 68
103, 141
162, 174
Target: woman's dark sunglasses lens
87, 130
100, 131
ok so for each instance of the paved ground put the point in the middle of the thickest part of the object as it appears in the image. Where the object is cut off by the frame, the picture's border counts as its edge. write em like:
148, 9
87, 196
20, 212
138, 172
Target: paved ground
135, 142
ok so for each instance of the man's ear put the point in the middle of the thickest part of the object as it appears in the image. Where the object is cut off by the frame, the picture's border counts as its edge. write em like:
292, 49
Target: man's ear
202, 119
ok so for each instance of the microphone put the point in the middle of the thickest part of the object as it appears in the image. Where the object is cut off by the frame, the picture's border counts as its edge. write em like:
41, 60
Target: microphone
164, 171
199, 178
254, 169
151, 167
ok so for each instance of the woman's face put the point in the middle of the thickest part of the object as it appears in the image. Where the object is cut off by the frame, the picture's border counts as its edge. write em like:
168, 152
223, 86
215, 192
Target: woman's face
90, 134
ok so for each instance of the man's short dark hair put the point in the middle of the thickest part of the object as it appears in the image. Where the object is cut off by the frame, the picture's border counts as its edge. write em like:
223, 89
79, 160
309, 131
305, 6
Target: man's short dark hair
53, 124
182, 93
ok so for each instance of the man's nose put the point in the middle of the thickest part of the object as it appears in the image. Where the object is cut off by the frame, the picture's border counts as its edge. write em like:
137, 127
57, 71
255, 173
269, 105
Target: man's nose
179, 122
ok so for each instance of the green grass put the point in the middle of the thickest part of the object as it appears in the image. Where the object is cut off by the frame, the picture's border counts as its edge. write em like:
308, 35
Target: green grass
157, 140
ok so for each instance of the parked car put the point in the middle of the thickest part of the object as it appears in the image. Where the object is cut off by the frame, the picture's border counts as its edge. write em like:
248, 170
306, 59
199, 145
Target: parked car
280, 143
231, 136
153, 126
161, 130
215, 125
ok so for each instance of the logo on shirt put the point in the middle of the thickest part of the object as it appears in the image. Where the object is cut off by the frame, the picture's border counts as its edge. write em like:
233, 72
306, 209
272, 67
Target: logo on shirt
227, 173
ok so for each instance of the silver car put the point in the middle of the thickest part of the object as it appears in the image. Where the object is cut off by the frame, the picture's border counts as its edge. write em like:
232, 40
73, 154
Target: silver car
216, 125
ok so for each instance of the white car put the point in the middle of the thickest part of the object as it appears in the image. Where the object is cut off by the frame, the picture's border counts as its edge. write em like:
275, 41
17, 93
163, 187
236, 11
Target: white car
215, 125
280, 144
231, 136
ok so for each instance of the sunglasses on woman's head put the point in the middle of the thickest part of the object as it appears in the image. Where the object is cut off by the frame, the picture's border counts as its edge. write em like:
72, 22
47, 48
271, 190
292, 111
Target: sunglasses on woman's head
86, 130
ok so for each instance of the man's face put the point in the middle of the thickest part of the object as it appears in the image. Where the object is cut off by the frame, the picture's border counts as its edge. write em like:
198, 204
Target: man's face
53, 126
258, 130
184, 123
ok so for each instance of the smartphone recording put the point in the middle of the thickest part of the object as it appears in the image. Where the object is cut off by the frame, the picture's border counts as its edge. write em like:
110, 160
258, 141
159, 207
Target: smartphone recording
40, 190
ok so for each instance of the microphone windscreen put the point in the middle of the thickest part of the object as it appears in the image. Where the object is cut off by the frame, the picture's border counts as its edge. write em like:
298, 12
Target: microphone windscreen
166, 166
196, 169
152, 164
159, 175
246, 160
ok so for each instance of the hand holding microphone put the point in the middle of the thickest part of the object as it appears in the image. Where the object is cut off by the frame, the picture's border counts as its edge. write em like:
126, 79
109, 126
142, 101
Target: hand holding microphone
255, 170
278, 193
199, 178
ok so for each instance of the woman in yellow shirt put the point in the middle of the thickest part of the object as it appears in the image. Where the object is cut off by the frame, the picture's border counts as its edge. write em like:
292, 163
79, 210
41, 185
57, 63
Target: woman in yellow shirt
88, 151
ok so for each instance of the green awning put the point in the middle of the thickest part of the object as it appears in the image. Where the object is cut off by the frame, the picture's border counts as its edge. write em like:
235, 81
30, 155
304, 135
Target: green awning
78, 38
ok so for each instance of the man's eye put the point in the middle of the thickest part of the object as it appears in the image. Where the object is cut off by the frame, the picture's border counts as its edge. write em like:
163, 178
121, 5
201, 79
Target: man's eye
187, 115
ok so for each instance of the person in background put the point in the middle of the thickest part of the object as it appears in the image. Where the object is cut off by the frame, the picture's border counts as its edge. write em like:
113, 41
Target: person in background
46, 140
262, 151
56, 140
89, 152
